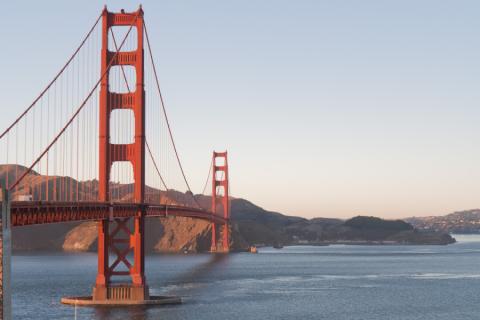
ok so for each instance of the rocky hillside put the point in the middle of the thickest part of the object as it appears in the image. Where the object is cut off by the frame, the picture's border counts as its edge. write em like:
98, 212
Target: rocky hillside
251, 225
458, 222
254, 226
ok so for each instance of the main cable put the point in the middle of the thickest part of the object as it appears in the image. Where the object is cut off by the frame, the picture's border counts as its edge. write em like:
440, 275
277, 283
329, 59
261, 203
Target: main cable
164, 110
78, 110
53, 80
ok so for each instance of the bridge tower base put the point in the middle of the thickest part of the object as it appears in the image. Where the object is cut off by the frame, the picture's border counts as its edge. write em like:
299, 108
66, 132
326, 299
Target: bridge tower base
120, 292
88, 301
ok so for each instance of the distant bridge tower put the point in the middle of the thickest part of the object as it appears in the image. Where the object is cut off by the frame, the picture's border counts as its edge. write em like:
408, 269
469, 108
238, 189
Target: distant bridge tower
220, 199
122, 236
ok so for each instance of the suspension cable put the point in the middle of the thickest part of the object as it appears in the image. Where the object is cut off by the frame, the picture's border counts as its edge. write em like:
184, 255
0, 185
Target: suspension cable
163, 108
78, 110
146, 142
166, 117
208, 177
53, 81
155, 164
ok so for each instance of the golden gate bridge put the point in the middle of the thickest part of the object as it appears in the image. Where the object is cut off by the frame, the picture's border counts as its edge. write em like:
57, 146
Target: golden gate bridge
96, 144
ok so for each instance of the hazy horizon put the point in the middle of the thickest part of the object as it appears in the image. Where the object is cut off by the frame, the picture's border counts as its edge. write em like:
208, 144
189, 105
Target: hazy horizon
327, 109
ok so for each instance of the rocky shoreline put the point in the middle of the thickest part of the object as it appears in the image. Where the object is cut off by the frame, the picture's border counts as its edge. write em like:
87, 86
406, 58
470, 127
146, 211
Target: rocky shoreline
250, 225
179, 235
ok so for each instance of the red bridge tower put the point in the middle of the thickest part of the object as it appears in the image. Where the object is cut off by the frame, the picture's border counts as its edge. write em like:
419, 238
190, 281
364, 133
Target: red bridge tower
125, 236
220, 199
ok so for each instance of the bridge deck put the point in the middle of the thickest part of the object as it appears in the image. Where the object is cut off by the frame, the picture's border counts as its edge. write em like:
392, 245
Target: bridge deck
40, 212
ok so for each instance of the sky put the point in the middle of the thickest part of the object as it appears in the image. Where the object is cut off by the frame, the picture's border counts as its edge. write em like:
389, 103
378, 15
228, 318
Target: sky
327, 108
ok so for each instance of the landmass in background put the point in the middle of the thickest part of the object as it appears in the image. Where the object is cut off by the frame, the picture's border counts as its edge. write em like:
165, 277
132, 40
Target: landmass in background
251, 225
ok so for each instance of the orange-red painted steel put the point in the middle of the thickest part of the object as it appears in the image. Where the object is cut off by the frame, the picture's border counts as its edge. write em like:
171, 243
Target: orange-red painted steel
110, 153
121, 225
223, 197
40, 212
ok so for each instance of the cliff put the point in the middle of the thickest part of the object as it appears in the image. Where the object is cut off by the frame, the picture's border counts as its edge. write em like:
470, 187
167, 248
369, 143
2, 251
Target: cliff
251, 225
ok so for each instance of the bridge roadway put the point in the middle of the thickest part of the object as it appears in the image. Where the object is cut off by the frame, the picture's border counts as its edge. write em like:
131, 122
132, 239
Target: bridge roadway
25, 213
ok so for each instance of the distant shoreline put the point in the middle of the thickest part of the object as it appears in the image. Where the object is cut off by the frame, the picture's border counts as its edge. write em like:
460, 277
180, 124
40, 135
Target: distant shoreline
357, 243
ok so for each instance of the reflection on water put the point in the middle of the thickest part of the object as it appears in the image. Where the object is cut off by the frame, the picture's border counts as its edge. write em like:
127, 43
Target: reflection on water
336, 282
201, 270
463, 238
132, 313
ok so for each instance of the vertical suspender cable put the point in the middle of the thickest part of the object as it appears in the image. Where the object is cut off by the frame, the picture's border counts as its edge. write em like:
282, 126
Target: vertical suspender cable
74, 116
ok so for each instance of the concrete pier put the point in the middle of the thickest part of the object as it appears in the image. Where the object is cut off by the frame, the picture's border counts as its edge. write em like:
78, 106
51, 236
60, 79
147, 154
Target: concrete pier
151, 301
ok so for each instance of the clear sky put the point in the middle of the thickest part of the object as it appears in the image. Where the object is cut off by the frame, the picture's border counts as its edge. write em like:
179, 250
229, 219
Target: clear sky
327, 108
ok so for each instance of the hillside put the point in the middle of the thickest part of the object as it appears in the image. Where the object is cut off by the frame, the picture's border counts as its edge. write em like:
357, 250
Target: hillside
467, 221
251, 224
363, 229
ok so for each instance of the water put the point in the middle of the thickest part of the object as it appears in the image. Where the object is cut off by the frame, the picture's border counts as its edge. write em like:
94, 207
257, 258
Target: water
335, 282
